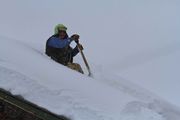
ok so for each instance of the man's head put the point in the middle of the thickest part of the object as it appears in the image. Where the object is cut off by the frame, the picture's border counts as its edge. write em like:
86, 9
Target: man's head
60, 30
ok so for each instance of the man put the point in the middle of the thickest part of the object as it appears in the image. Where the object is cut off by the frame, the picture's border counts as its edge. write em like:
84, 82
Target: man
58, 47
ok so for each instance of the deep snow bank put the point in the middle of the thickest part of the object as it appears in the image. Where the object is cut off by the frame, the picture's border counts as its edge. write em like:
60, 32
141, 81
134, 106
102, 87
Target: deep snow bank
26, 71
158, 71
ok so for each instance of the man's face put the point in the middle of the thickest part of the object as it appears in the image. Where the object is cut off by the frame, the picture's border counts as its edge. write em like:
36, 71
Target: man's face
62, 34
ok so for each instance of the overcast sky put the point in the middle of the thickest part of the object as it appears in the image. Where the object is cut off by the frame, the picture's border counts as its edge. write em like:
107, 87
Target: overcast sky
112, 31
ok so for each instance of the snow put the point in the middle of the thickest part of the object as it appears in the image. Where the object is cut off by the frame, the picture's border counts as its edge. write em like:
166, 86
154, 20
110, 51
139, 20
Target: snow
30, 73
132, 47
159, 74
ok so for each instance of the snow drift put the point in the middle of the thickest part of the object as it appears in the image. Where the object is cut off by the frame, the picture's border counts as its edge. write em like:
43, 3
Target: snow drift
28, 72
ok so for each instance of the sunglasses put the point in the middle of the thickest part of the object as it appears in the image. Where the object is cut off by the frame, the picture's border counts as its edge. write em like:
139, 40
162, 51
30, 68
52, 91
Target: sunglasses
61, 31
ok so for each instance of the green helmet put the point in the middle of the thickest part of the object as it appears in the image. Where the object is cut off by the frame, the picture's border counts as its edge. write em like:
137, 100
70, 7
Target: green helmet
59, 27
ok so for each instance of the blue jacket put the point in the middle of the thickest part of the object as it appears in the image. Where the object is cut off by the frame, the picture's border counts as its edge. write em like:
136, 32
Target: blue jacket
59, 43
60, 50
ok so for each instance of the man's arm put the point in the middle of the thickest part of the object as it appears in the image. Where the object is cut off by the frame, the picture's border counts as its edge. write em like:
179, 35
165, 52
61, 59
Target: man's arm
75, 51
75, 38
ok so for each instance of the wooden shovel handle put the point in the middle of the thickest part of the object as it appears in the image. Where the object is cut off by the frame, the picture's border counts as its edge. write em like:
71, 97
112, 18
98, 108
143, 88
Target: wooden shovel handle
84, 59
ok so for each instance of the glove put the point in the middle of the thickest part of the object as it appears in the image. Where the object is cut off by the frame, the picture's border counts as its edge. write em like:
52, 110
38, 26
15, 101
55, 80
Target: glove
80, 47
75, 37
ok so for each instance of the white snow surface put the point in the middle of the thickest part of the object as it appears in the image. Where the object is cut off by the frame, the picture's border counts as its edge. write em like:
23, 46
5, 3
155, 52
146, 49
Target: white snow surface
133, 48
28, 72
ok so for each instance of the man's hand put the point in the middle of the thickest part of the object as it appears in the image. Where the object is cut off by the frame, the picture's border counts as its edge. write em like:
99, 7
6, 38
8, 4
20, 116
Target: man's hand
75, 37
80, 47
